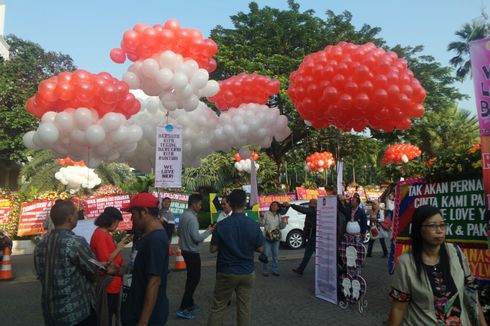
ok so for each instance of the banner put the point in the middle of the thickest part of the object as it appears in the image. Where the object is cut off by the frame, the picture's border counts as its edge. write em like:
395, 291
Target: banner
340, 178
265, 201
462, 204
480, 68
215, 209
326, 249
32, 217
94, 206
307, 194
4, 211
168, 157
178, 203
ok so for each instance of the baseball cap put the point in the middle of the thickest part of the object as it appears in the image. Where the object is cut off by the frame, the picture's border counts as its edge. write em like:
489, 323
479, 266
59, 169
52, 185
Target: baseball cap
143, 199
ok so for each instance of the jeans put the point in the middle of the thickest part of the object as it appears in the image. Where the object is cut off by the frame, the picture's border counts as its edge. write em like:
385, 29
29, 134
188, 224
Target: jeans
225, 285
193, 265
383, 246
272, 249
309, 250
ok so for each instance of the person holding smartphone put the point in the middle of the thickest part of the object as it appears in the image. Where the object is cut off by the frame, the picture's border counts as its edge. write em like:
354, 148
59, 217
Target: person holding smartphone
105, 250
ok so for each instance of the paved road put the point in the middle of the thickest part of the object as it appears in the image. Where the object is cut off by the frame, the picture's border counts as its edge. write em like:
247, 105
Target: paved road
285, 300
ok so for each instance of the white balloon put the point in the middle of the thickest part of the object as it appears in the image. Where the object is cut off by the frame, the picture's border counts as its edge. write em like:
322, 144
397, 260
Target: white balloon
179, 81
48, 116
132, 80
111, 121
150, 68
211, 88
27, 139
48, 133
64, 121
164, 77
95, 135
405, 158
83, 118
199, 79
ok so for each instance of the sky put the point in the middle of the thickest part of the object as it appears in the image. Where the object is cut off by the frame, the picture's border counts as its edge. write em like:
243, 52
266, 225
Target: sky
87, 30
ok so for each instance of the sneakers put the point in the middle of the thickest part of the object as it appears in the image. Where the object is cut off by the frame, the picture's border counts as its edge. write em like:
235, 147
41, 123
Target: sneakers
185, 314
275, 273
297, 271
265, 274
194, 309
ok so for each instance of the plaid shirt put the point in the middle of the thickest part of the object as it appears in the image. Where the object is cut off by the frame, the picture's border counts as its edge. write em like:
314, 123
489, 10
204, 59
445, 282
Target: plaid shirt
61, 262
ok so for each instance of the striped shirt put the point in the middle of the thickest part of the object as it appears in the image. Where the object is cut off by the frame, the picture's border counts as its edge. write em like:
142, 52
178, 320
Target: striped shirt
67, 277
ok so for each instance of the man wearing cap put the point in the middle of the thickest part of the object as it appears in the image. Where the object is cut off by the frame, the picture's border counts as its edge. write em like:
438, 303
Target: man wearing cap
190, 238
144, 300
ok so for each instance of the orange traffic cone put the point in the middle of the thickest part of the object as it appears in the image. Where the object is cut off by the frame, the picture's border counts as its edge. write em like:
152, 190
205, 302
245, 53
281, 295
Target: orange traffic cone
6, 267
171, 250
179, 261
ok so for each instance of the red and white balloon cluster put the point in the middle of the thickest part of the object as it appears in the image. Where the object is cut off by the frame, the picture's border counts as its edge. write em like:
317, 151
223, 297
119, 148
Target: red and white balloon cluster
76, 177
245, 88
245, 165
100, 92
319, 161
355, 86
82, 135
400, 153
144, 41
171, 63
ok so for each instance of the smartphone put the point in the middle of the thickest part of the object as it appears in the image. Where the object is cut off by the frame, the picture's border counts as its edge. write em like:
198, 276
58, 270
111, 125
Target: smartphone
97, 263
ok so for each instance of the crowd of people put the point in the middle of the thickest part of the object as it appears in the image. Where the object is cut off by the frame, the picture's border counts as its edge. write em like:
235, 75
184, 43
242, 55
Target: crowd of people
90, 284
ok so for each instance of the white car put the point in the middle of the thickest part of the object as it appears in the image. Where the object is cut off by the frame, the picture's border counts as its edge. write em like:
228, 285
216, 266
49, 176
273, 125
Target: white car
292, 234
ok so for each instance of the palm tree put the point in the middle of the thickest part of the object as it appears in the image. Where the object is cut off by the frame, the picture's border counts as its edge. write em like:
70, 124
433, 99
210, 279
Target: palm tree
476, 30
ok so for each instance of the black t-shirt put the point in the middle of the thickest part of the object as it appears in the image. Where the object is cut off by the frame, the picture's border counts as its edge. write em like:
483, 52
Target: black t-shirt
151, 259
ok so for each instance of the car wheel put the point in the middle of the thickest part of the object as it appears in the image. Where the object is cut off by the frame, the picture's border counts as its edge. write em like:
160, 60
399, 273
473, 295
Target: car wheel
367, 237
295, 239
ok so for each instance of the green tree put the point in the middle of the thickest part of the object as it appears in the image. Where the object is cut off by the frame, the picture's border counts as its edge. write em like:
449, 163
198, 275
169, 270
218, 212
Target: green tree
29, 64
217, 173
476, 30
38, 173
273, 42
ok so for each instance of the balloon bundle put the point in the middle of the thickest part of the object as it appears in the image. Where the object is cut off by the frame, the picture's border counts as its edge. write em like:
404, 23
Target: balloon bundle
245, 88
204, 131
76, 177
355, 86
400, 153
245, 165
170, 62
319, 161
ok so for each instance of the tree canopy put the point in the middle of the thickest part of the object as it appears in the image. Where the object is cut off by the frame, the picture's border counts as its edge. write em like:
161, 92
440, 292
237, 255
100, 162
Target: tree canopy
29, 64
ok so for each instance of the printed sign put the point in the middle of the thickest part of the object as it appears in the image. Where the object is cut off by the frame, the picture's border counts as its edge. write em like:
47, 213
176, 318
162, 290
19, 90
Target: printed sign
462, 204
178, 204
265, 201
307, 194
168, 160
326, 249
4, 211
94, 206
32, 217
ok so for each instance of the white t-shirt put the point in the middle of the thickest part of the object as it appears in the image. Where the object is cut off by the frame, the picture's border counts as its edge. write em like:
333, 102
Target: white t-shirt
222, 216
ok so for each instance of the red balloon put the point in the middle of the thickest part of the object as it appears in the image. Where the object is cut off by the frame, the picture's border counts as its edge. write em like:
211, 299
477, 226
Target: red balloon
117, 55
323, 160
